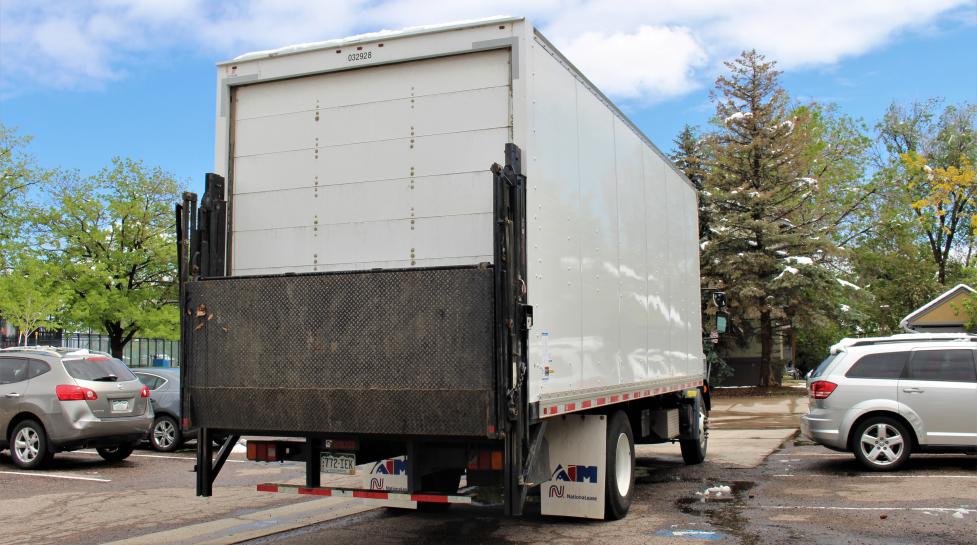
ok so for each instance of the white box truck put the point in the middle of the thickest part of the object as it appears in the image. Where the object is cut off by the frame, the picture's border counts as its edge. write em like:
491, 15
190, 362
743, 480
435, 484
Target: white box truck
444, 253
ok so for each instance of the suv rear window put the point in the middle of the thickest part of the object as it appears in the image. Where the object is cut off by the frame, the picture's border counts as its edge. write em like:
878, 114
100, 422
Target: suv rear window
823, 366
947, 365
98, 368
888, 365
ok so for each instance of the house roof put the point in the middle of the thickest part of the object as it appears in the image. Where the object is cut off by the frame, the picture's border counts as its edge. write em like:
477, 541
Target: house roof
935, 303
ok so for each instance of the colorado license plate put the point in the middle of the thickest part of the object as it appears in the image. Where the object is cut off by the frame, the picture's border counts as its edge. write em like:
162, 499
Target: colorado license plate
119, 405
339, 462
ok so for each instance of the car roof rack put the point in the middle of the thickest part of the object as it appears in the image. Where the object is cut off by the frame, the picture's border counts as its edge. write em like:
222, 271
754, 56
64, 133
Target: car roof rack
60, 351
902, 338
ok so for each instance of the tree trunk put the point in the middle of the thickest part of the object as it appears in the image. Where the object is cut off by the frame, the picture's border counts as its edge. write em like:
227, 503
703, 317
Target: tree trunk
118, 345
766, 347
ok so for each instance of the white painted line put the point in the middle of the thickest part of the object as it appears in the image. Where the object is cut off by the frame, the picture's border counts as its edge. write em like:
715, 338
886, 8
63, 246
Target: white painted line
56, 476
850, 455
190, 458
881, 476
833, 508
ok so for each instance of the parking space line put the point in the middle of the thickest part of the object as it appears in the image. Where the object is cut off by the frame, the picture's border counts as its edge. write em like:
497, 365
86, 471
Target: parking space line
56, 476
849, 455
879, 476
191, 458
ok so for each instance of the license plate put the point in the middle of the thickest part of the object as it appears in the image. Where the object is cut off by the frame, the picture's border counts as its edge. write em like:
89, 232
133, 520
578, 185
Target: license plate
339, 462
119, 405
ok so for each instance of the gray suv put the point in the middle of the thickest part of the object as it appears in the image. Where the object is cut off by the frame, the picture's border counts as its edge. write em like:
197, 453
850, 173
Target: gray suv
886, 397
62, 399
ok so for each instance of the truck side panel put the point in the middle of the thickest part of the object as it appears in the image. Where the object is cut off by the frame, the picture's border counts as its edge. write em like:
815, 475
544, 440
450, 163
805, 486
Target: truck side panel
615, 224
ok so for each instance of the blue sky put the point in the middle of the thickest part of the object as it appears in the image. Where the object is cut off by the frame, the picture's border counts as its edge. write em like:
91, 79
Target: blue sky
92, 80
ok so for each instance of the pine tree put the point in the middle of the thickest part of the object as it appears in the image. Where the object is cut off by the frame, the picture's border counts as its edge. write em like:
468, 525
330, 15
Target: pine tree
690, 157
767, 232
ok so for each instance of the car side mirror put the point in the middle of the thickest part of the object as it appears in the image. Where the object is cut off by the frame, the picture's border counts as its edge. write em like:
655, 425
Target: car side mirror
722, 322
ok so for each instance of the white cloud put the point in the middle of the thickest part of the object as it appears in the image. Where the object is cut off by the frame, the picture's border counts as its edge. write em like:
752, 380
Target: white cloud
634, 50
651, 63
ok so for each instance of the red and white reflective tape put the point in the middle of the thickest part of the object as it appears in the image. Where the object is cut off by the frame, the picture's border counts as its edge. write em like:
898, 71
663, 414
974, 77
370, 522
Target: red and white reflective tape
379, 496
617, 397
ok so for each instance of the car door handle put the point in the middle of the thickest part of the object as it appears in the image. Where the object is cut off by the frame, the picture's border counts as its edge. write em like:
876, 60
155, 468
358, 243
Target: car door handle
12, 394
913, 390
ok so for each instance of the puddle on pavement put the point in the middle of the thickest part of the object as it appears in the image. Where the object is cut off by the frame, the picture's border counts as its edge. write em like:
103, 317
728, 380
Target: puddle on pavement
724, 512
688, 533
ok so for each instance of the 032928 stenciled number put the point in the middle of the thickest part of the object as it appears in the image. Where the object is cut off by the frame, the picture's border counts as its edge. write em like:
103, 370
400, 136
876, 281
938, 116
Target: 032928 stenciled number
363, 55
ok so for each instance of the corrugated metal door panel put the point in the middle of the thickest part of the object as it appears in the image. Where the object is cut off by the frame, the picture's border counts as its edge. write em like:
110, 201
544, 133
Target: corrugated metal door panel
431, 156
419, 78
372, 184
431, 196
466, 237
361, 123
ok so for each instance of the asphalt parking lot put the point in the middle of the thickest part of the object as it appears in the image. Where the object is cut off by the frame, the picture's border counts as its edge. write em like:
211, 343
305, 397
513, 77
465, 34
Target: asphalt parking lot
781, 490
801, 494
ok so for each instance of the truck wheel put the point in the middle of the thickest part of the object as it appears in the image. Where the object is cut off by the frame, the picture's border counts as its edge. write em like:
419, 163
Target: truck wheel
694, 450
619, 485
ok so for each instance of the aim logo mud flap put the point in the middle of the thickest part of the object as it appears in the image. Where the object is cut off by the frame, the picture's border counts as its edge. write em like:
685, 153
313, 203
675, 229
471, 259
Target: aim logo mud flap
389, 475
576, 445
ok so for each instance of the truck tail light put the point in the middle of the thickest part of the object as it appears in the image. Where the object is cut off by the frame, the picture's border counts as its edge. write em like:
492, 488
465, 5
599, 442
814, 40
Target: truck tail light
485, 460
262, 451
70, 392
821, 389
144, 391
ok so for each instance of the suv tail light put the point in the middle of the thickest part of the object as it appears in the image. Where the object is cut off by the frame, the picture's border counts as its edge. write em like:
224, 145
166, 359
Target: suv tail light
821, 389
68, 392
144, 391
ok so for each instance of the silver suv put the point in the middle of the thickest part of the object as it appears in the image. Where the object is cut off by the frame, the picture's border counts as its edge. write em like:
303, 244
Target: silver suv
886, 397
62, 399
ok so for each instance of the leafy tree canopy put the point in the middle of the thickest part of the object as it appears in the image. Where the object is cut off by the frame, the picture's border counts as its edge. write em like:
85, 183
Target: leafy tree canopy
112, 235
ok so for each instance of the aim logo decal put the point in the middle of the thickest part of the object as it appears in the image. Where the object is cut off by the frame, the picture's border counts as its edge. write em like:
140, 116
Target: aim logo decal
389, 467
575, 474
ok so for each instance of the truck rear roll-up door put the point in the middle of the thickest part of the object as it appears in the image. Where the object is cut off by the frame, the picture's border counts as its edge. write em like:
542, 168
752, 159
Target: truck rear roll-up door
376, 167
407, 352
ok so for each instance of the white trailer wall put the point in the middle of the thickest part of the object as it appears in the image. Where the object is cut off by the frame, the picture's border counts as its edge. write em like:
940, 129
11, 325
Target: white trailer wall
612, 246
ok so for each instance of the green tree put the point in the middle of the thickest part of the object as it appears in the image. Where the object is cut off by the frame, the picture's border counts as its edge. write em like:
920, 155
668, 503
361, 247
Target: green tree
113, 237
31, 296
690, 156
926, 167
896, 272
774, 180
18, 174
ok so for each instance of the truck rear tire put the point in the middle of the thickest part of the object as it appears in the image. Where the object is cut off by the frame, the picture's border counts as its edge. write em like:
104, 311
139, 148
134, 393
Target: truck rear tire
694, 450
619, 484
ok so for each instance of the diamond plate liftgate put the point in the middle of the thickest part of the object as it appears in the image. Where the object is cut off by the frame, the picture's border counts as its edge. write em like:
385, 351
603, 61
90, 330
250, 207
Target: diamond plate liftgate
404, 352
